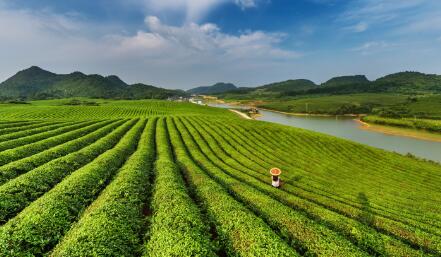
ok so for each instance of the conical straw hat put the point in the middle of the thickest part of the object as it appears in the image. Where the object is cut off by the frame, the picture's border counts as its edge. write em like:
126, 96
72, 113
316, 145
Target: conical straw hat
275, 171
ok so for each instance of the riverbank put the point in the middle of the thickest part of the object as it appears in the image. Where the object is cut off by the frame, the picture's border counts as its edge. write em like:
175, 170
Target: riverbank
256, 103
310, 114
403, 132
388, 130
349, 129
384, 129
430, 125
241, 114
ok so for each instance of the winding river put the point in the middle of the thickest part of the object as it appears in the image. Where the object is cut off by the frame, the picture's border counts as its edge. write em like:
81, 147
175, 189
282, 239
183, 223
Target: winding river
348, 128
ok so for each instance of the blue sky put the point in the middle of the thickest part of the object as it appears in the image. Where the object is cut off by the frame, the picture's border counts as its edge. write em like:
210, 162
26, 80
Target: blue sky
188, 43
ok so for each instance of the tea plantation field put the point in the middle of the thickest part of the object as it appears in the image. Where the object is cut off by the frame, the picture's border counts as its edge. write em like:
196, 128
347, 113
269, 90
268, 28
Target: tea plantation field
152, 178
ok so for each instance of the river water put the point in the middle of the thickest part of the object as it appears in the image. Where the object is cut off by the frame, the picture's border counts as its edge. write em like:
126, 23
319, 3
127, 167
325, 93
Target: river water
348, 128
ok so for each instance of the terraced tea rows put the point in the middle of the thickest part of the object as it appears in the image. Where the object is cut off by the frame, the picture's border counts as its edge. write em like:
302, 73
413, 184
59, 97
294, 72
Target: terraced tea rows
57, 110
198, 185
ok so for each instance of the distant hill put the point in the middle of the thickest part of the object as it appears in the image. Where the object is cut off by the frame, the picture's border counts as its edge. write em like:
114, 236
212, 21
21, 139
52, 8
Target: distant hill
402, 82
36, 83
343, 85
297, 85
278, 89
345, 80
214, 89
410, 81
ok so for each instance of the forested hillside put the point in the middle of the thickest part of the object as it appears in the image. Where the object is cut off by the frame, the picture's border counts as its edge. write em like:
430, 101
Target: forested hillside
36, 83
402, 82
214, 89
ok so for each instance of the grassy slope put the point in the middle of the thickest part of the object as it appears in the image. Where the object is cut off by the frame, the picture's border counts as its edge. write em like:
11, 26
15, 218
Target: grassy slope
423, 124
372, 201
107, 109
423, 113
331, 104
429, 105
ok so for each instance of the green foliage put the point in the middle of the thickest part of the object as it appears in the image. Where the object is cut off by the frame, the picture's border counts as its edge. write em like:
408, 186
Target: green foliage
97, 191
336, 105
425, 106
113, 223
344, 85
177, 228
22, 147
289, 86
384, 105
345, 80
28, 81
412, 82
308, 237
270, 91
429, 125
141, 91
239, 230
18, 193
215, 89
11, 127
37, 229
408, 84
107, 109
18, 167
19, 131
36, 83
80, 102
239, 144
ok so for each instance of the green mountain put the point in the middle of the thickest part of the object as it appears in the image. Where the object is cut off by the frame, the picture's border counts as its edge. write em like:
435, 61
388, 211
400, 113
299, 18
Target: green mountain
116, 80
345, 81
297, 85
343, 85
28, 82
36, 83
410, 82
142, 91
402, 82
214, 89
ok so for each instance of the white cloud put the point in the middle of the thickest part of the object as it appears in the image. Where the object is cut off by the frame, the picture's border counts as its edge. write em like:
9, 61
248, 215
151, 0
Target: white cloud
379, 10
171, 56
246, 3
194, 10
372, 47
205, 42
401, 17
28, 35
359, 27
431, 22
